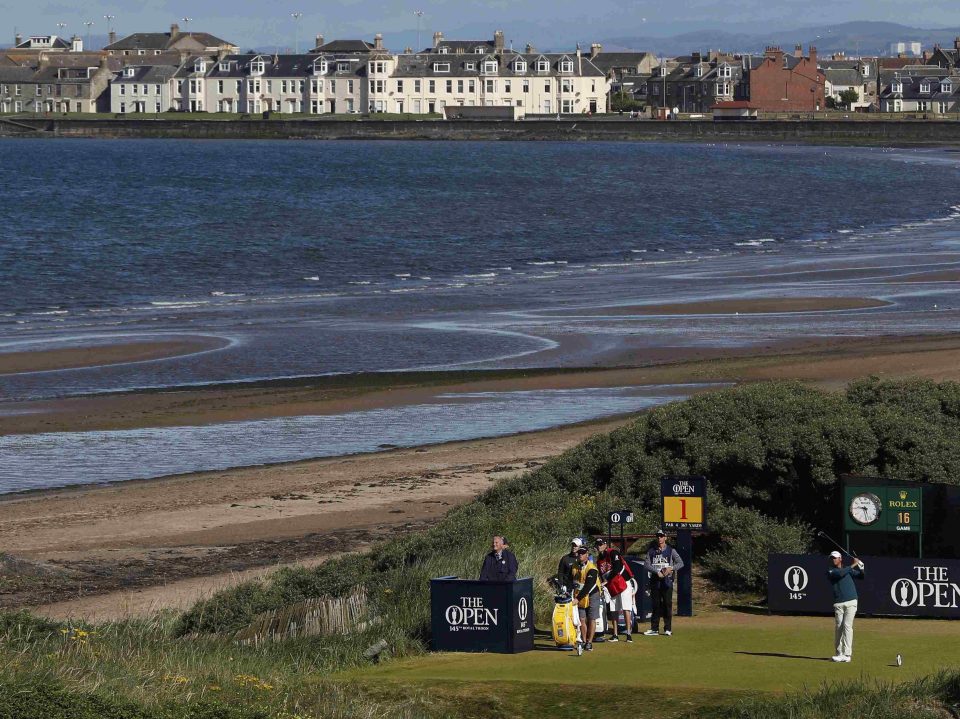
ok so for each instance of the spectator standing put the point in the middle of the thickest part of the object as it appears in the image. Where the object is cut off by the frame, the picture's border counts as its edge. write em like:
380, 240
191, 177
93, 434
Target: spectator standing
499, 565
567, 563
662, 563
617, 578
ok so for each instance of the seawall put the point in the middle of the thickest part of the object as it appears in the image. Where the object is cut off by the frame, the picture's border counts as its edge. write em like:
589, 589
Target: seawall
847, 132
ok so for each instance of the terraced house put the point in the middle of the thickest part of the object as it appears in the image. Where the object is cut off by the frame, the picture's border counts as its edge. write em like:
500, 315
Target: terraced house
485, 74
60, 83
920, 89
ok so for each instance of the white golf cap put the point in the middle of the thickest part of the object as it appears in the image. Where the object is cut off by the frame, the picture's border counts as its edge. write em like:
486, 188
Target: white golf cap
835, 554
576, 542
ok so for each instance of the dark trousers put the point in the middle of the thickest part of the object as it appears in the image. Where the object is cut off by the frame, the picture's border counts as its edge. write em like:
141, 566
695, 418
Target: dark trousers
661, 596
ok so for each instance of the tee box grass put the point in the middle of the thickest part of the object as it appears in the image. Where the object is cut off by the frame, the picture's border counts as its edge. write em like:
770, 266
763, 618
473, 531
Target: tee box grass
711, 659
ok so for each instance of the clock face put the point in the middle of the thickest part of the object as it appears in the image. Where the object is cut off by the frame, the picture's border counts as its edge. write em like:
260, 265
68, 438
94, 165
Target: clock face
865, 508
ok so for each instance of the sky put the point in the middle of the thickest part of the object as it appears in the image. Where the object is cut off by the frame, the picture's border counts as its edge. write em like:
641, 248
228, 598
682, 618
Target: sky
257, 23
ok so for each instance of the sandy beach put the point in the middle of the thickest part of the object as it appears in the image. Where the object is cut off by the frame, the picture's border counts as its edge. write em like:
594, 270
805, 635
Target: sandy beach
131, 548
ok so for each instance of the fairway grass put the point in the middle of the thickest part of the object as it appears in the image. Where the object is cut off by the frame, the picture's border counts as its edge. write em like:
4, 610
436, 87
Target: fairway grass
710, 660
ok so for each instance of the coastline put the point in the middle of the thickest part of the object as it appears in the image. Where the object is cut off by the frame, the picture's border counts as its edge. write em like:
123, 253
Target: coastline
103, 547
885, 132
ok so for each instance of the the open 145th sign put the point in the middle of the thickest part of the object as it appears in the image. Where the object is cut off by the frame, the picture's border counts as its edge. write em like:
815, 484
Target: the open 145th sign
684, 502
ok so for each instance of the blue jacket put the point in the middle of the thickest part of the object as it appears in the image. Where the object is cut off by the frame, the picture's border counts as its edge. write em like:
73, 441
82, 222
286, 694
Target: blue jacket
657, 558
499, 570
842, 579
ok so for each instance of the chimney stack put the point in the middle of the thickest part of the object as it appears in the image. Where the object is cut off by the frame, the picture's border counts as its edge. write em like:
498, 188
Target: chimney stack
76, 44
319, 41
530, 49
112, 37
437, 39
17, 39
174, 30
813, 55
956, 43
498, 41
378, 42
595, 49
798, 50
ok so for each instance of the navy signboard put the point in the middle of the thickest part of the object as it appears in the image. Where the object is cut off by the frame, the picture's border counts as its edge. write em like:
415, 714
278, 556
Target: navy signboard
894, 586
684, 502
475, 616
620, 516
895, 508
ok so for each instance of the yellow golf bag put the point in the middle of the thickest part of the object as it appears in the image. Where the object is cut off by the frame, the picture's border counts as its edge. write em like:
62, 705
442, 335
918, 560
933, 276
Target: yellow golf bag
566, 622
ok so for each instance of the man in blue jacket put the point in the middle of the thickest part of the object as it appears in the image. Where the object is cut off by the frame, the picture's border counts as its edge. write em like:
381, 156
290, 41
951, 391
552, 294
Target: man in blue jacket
844, 603
662, 564
499, 565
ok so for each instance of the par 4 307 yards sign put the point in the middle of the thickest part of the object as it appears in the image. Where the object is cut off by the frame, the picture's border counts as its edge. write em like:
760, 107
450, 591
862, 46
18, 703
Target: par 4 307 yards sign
684, 502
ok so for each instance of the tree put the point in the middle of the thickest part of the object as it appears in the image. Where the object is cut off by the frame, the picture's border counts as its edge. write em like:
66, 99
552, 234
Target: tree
848, 97
623, 102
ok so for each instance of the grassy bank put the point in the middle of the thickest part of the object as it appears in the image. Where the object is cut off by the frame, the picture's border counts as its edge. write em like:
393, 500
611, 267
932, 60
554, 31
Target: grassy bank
773, 453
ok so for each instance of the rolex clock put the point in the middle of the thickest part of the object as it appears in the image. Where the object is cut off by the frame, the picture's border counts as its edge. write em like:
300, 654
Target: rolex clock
865, 508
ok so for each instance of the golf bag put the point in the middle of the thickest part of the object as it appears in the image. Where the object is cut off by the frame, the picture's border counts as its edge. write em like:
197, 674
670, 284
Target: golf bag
566, 619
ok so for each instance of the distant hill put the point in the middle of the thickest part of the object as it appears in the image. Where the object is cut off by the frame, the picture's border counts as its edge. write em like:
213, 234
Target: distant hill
854, 38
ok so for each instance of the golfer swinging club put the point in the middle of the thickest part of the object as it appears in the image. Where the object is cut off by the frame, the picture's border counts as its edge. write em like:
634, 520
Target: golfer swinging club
844, 602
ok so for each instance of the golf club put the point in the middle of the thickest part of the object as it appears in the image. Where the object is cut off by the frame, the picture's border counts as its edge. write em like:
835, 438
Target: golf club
821, 533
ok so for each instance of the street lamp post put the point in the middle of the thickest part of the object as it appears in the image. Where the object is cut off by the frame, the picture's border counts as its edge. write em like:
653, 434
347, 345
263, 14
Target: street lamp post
296, 31
61, 26
109, 19
89, 24
186, 23
419, 14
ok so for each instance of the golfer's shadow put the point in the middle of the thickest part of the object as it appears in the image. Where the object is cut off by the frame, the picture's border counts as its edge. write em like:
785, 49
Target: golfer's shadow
784, 656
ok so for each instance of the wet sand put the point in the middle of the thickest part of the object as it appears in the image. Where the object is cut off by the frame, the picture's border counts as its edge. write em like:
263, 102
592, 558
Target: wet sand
129, 548
104, 354
764, 305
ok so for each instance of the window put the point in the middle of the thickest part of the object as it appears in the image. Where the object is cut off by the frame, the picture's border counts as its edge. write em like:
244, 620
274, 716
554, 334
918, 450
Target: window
543, 66
314, 87
567, 107
39, 90
441, 67
343, 66
663, 71
546, 86
520, 66
239, 86
566, 65
470, 66
256, 67
350, 87
946, 86
417, 107
896, 86
195, 86
491, 86
379, 66
526, 86
898, 105
253, 86
941, 107
925, 87
399, 85
333, 86
460, 86
489, 66
18, 105
566, 85
699, 71
923, 105
123, 89
444, 50
314, 107
320, 68
506, 86
449, 85
349, 104
723, 88
283, 86
377, 85
471, 85
224, 66
416, 86
301, 85
156, 107
156, 89
200, 66
432, 86
123, 107
479, 50
269, 87
130, 72
725, 71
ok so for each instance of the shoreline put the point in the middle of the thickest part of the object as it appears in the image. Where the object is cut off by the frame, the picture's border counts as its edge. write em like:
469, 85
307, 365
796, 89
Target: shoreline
839, 131
91, 551
104, 354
